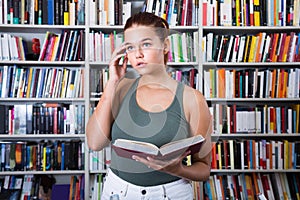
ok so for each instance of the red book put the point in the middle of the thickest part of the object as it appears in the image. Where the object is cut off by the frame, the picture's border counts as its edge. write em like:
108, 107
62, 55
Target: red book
204, 11
214, 156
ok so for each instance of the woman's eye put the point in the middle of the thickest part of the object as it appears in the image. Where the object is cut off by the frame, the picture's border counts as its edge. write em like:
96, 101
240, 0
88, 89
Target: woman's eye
129, 48
146, 45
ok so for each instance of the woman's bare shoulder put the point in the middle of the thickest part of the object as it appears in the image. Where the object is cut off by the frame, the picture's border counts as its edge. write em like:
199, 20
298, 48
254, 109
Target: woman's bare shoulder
124, 86
194, 95
193, 101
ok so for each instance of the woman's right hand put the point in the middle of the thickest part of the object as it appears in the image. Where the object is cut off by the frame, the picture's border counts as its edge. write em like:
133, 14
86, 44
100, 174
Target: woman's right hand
117, 70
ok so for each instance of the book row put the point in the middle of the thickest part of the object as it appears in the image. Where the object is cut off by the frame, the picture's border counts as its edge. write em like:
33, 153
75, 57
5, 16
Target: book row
253, 186
12, 47
182, 13
65, 46
50, 12
46, 118
183, 48
260, 47
256, 154
42, 155
267, 119
105, 12
29, 186
100, 160
252, 83
177, 13
251, 13
41, 82
99, 78
188, 76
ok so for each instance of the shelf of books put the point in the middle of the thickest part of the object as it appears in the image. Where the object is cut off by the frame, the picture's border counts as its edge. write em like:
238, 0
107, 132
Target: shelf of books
251, 73
42, 104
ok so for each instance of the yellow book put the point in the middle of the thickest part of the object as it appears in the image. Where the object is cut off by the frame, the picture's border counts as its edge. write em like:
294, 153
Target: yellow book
237, 13
44, 158
252, 49
286, 154
247, 46
285, 84
66, 18
29, 83
285, 48
219, 155
64, 83
256, 13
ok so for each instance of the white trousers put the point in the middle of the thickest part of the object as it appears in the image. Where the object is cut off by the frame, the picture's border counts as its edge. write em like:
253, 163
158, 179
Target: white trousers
116, 188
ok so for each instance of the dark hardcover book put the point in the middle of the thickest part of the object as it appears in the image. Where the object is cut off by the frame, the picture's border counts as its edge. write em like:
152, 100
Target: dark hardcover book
263, 12
61, 44
75, 56
42, 124
246, 154
45, 12
73, 45
4, 123
67, 153
34, 82
297, 150
250, 82
57, 12
216, 44
116, 11
291, 185
81, 52
224, 48
61, 12
66, 44
237, 154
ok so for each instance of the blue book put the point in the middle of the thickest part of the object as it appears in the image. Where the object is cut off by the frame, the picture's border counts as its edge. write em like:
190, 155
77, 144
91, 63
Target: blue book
170, 11
50, 12
62, 156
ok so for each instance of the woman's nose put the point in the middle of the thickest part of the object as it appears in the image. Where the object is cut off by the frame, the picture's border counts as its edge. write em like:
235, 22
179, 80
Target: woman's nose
139, 52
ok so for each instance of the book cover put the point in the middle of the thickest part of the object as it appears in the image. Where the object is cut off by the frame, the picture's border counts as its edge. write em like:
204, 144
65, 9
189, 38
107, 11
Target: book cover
128, 148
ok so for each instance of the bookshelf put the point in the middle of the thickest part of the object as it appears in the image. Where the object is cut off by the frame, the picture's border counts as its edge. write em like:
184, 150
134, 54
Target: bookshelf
33, 111
245, 85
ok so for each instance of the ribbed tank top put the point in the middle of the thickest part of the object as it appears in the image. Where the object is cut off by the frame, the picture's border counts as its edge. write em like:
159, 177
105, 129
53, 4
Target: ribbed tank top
133, 122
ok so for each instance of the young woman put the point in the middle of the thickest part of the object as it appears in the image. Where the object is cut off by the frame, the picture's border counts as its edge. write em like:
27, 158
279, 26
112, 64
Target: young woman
153, 108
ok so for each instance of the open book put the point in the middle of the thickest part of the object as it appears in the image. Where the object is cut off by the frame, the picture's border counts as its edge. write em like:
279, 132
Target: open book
128, 148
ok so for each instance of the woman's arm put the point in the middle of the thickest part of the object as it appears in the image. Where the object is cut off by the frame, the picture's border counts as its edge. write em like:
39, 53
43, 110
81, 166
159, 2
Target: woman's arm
99, 125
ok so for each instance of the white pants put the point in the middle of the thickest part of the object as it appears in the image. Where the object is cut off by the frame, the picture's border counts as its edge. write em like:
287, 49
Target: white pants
116, 188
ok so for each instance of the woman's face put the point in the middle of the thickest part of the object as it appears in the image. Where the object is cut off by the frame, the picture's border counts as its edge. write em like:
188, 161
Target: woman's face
144, 48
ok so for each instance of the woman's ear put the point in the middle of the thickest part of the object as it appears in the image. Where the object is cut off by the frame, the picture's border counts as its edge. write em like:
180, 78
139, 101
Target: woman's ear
166, 46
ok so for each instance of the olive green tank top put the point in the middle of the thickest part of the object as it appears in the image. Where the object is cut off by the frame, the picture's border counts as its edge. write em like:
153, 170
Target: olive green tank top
133, 122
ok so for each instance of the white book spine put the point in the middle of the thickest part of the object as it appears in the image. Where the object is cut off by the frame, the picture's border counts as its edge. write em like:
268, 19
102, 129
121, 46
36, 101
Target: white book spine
4, 81
111, 13
92, 12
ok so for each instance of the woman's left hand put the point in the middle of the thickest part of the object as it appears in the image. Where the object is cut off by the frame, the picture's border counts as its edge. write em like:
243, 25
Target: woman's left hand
171, 166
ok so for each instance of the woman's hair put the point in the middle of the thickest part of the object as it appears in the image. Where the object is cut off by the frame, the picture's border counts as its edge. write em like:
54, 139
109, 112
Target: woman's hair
160, 25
